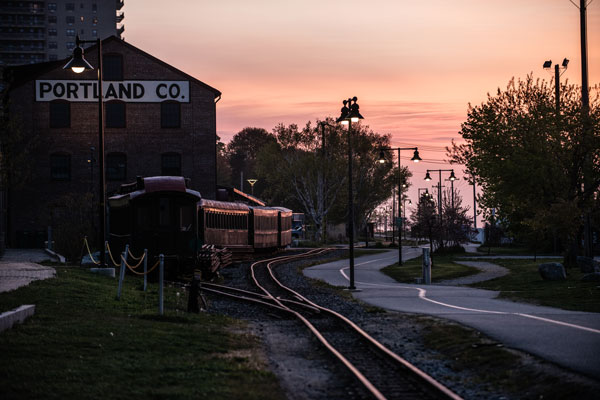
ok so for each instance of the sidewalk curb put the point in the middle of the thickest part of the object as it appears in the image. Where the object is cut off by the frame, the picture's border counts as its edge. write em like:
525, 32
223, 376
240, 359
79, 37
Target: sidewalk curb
18, 315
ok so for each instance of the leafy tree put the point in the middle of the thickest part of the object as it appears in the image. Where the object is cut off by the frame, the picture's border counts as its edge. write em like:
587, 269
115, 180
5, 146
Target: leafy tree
530, 162
242, 152
304, 175
456, 223
425, 221
223, 167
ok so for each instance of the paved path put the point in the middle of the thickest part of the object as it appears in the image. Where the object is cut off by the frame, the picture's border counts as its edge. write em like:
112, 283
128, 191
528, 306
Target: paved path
567, 338
18, 267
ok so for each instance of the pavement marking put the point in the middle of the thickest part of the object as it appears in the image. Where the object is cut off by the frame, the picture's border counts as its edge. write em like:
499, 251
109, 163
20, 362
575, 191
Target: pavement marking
423, 296
559, 323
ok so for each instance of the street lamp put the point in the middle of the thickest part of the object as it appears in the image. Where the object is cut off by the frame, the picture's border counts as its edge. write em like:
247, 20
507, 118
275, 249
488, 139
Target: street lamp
557, 74
78, 64
349, 114
381, 160
428, 178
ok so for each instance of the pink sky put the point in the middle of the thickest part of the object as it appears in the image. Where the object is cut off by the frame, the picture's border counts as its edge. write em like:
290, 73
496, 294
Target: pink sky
414, 65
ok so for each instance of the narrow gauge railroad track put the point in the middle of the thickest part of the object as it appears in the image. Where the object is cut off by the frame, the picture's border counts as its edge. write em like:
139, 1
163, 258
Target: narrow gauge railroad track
383, 373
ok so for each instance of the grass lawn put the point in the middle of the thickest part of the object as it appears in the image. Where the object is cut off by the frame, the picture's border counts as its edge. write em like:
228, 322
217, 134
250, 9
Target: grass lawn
443, 269
83, 343
507, 251
524, 283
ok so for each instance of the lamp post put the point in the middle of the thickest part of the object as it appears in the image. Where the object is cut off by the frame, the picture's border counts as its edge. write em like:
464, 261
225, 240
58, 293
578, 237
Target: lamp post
381, 160
557, 74
78, 64
404, 211
428, 178
252, 182
323, 124
349, 114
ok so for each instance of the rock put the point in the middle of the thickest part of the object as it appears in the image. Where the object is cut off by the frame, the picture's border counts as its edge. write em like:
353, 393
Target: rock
593, 277
588, 265
552, 272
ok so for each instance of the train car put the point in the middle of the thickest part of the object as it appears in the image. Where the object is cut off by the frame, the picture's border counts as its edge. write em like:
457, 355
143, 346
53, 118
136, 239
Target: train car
224, 223
158, 214
284, 226
263, 227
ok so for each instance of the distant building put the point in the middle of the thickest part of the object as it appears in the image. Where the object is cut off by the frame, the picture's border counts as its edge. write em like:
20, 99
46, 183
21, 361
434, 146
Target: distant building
158, 121
38, 31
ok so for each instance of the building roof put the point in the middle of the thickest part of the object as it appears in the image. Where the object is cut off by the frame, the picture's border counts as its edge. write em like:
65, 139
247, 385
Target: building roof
21, 74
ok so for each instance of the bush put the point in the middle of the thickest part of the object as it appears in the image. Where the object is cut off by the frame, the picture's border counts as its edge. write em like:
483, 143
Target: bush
456, 249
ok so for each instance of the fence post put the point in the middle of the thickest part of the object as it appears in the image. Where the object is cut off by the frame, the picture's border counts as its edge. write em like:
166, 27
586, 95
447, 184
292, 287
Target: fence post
122, 271
426, 267
145, 269
161, 273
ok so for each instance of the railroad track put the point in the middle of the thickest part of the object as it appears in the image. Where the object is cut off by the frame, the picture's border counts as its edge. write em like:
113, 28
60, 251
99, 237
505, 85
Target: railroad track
381, 372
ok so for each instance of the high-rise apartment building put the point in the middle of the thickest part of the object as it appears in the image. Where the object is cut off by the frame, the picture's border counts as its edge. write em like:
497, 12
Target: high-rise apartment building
38, 31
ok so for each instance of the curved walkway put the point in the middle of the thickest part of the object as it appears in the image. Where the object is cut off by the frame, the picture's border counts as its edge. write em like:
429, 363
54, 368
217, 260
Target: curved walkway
18, 267
568, 338
488, 271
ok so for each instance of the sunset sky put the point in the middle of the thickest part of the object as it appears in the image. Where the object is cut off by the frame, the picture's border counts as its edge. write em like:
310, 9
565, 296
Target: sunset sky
414, 65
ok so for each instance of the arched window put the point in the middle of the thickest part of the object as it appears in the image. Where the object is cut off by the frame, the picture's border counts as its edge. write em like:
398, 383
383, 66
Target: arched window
170, 164
60, 114
60, 167
170, 114
116, 166
115, 114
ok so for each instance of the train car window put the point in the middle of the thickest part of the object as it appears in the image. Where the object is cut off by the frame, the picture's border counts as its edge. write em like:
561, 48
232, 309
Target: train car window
164, 212
186, 218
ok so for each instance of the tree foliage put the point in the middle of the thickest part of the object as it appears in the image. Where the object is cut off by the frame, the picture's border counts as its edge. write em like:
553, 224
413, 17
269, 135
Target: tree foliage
530, 162
308, 173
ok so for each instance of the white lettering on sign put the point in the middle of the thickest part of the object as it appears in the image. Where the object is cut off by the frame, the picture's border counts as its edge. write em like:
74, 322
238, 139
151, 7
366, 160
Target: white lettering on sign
128, 91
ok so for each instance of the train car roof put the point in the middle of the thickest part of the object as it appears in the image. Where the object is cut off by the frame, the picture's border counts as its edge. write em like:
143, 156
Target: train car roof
283, 209
153, 184
224, 205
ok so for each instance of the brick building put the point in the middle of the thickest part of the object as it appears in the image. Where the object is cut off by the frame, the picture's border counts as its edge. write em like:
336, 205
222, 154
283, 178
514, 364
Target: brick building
158, 121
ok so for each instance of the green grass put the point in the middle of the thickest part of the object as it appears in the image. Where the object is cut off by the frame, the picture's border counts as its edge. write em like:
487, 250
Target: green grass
497, 368
83, 343
507, 251
524, 283
443, 269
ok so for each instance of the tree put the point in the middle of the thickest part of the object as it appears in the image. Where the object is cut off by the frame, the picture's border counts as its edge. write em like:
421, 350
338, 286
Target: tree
223, 167
455, 222
425, 220
303, 174
242, 152
530, 162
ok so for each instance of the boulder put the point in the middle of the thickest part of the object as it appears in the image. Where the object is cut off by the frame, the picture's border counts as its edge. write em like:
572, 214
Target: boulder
552, 272
588, 265
593, 277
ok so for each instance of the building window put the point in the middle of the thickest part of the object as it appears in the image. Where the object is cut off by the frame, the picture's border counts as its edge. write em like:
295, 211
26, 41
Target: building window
70, 32
51, 32
81, 32
171, 164
52, 57
94, 7
81, 18
116, 166
70, 45
170, 114
52, 7
60, 114
70, 6
52, 45
95, 21
112, 67
52, 19
115, 114
70, 19
60, 167
94, 33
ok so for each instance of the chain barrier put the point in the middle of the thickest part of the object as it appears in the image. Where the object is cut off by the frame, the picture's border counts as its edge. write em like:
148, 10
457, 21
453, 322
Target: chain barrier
138, 264
110, 255
142, 273
89, 252
134, 257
